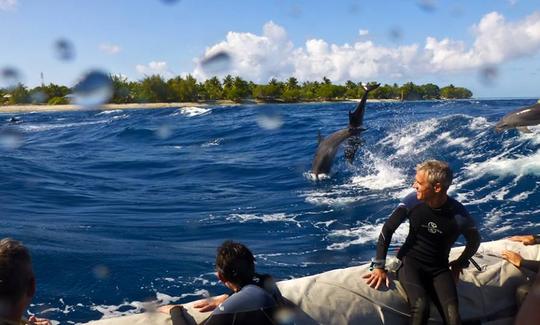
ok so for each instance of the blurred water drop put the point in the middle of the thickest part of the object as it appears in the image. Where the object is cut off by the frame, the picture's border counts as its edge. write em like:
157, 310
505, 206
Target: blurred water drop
269, 120
170, 2
217, 62
64, 50
10, 138
164, 132
38, 97
395, 34
488, 75
427, 5
295, 11
101, 272
94, 89
9, 78
354, 8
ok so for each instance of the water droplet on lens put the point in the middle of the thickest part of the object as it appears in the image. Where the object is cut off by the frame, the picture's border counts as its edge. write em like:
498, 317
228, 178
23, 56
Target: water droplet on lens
164, 132
488, 75
395, 34
64, 50
427, 5
101, 272
9, 78
217, 62
10, 138
94, 89
38, 97
269, 120
170, 2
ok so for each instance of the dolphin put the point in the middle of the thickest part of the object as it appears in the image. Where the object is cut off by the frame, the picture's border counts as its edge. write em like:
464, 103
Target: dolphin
520, 119
327, 149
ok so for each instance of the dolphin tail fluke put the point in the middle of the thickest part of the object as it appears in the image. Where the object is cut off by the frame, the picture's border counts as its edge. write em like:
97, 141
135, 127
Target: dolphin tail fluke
370, 86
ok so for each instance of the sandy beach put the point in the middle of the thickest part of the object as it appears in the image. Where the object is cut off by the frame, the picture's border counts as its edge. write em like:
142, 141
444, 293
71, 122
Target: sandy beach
28, 108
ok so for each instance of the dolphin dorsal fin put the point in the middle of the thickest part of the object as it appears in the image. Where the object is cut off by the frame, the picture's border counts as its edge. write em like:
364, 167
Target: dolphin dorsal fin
320, 138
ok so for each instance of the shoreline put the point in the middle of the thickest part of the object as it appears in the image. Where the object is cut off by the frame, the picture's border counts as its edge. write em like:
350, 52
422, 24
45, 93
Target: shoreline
43, 108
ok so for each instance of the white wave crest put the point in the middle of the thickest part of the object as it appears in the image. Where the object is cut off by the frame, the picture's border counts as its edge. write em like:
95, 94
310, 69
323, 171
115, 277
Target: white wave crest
191, 111
46, 127
384, 176
107, 112
363, 234
502, 166
273, 217
215, 142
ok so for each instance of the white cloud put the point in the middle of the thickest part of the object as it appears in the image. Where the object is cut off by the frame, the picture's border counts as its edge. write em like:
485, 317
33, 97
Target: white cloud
155, 68
8, 4
272, 54
110, 48
363, 32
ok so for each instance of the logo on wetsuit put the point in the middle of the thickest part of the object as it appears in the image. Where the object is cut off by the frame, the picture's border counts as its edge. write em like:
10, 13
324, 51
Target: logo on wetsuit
432, 227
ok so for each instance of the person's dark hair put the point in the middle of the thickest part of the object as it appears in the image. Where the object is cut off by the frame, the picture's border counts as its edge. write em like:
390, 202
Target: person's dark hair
15, 270
235, 262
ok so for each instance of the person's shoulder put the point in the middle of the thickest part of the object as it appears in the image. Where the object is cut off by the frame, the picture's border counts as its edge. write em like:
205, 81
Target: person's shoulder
410, 201
458, 207
461, 214
250, 298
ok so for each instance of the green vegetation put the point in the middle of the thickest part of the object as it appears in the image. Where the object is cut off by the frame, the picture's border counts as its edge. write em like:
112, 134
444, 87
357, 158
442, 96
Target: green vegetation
155, 89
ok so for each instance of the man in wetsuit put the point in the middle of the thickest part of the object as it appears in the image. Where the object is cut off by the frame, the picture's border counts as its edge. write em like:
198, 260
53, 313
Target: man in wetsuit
435, 222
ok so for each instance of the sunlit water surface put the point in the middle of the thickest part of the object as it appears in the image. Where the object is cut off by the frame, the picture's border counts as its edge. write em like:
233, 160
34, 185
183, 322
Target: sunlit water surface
123, 207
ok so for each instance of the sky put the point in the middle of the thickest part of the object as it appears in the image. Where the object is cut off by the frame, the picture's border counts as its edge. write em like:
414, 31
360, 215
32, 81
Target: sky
490, 47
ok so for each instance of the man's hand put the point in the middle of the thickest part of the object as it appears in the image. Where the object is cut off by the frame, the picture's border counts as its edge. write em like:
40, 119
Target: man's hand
210, 304
526, 239
39, 321
512, 257
376, 278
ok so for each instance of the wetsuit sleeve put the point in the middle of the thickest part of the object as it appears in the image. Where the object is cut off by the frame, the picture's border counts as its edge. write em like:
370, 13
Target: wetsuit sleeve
385, 237
531, 265
472, 236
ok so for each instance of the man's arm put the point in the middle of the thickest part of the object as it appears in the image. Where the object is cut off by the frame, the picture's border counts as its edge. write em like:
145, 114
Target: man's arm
378, 275
472, 236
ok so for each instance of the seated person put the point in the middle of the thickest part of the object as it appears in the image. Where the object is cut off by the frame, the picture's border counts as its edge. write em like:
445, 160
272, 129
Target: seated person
516, 259
17, 284
254, 299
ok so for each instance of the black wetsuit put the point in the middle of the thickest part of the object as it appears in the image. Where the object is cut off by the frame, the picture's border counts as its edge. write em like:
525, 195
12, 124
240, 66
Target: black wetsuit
425, 273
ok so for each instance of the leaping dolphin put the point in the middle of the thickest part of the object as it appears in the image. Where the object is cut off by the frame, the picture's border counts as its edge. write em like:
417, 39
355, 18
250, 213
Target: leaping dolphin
324, 158
520, 119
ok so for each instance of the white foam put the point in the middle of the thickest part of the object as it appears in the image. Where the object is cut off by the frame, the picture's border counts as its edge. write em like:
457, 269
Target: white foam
212, 143
479, 123
107, 112
384, 176
191, 111
110, 311
447, 137
411, 139
273, 217
46, 127
363, 234
502, 166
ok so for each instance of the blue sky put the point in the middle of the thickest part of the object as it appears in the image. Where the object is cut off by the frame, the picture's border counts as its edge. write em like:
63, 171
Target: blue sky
389, 41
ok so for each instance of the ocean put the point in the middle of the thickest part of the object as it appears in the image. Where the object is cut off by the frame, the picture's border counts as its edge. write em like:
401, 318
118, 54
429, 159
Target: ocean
125, 207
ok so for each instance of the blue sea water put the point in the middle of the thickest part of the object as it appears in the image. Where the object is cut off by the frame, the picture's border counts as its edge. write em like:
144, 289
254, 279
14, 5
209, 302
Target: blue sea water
125, 207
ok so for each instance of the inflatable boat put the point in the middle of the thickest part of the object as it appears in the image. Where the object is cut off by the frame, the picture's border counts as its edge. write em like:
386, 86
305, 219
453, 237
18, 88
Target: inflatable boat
487, 294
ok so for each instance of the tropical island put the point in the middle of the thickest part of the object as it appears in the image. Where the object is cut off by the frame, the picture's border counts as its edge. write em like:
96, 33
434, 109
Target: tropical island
155, 89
